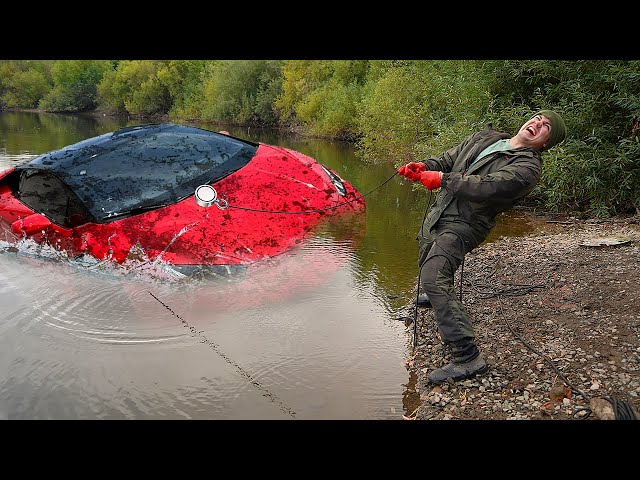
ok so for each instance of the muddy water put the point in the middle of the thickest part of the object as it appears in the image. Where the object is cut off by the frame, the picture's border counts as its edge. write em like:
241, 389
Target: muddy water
311, 334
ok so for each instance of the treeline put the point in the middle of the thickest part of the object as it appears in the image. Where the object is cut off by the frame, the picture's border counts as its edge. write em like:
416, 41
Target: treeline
395, 111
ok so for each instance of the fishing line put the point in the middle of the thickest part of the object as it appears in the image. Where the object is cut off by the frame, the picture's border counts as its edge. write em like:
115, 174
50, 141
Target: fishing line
307, 212
415, 311
195, 333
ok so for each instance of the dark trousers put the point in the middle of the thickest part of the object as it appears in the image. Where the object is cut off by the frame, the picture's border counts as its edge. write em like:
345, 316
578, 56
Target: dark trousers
441, 251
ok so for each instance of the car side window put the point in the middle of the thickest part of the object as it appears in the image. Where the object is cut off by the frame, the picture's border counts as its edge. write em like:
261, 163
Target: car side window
46, 194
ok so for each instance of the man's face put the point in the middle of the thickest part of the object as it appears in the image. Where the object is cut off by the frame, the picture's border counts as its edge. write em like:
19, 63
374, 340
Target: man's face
535, 132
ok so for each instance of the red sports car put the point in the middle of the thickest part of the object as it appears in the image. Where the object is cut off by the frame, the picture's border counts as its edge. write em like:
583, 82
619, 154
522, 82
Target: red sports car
192, 197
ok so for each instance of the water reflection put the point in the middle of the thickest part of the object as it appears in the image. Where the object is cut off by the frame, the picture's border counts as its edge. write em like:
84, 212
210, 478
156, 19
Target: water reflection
36, 133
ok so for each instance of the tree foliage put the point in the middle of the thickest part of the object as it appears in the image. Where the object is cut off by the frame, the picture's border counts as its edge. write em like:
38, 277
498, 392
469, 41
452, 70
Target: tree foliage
75, 85
23, 83
322, 96
597, 169
412, 109
241, 91
135, 88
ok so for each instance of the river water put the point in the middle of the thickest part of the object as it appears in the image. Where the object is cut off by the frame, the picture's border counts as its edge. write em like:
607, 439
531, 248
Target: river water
312, 334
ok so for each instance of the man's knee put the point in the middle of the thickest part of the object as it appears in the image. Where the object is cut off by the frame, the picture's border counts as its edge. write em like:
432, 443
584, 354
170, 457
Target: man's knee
435, 273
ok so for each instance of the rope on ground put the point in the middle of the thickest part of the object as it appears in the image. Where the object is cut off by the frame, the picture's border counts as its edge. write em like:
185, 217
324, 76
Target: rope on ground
541, 355
622, 409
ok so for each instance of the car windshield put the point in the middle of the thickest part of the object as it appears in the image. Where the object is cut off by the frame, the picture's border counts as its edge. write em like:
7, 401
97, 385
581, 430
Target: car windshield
135, 169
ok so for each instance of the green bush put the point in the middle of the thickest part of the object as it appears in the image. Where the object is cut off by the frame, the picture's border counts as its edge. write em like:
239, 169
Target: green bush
135, 88
596, 169
592, 177
241, 91
25, 89
110, 92
322, 96
183, 79
414, 109
75, 85
23, 82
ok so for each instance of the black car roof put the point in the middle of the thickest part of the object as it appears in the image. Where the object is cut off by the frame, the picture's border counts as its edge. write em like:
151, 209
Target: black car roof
143, 167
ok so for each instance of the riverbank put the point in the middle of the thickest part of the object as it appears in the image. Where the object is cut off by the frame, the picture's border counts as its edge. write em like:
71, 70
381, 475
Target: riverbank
557, 317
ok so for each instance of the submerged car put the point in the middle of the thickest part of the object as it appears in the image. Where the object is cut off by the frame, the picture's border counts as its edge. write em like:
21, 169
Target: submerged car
182, 194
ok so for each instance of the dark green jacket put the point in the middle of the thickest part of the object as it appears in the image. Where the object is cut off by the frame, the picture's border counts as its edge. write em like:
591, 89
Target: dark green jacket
472, 196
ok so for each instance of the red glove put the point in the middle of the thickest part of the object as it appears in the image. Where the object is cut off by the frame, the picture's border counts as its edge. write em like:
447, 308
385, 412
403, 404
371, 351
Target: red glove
412, 170
431, 179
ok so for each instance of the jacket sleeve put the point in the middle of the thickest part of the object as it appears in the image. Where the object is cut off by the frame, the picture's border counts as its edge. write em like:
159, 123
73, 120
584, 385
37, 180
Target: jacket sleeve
515, 180
445, 162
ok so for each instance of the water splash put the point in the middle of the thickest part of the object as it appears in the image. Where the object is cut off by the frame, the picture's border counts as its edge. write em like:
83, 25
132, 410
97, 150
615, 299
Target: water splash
139, 266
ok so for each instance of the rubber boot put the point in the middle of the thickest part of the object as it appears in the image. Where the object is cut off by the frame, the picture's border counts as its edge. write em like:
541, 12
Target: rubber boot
458, 371
423, 301
466, 363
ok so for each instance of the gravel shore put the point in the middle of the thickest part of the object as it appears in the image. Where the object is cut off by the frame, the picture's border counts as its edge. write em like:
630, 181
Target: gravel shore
557, 317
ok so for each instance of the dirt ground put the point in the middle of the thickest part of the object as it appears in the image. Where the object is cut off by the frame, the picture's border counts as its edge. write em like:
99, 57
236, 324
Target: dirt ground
557, 317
